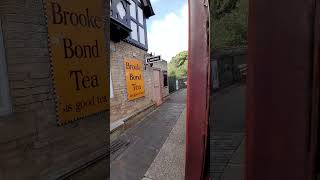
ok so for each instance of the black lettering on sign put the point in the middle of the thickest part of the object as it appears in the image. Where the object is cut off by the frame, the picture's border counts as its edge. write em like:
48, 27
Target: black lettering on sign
67, 108
133, 77
136, 87
56, 12
72, 50
83, 104
132, 67
83, 19
84, 81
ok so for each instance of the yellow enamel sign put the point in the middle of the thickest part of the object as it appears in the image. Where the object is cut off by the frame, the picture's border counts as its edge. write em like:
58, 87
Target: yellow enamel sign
78, 57
134, 78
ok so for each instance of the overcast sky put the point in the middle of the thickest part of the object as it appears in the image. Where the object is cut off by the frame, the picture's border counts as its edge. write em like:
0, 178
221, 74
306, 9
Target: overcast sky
168, 29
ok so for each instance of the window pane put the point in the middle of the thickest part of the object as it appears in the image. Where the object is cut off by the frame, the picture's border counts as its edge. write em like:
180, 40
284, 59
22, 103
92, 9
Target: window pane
111, 87
140, 15
133, 9
110, 8
134, 32
141, 34
121, 10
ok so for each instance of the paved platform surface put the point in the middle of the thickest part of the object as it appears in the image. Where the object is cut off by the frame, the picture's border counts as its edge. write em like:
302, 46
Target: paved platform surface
170, 162
235, 168
146, 139
227, 133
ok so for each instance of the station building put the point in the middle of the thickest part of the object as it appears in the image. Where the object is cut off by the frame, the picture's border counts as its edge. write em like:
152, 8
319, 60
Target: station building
42, 134
33, 145
129, 44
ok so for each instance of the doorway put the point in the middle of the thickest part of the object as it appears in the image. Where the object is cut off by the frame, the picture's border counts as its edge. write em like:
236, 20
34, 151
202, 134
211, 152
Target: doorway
156, 87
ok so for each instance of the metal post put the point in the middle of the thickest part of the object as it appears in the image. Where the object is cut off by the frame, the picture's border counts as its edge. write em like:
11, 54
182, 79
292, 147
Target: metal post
198, 91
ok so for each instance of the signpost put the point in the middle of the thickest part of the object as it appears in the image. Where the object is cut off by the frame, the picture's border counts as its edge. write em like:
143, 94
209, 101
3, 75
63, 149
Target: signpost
78, 59
153, 59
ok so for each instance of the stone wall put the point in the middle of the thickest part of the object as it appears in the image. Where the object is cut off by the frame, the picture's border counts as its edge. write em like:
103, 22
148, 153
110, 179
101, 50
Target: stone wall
33, 146
120, 107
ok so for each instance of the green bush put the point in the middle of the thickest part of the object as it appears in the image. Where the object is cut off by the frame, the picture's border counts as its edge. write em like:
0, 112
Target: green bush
178, 66
228, 23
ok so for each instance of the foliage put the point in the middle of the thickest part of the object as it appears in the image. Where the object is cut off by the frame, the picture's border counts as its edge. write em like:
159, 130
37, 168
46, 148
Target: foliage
178, 65
180, 58
221, 8
228, 29
228, 23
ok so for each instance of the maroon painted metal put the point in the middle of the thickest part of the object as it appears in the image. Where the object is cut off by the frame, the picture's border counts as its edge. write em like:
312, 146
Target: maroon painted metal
315, 96
198, 89
279, 89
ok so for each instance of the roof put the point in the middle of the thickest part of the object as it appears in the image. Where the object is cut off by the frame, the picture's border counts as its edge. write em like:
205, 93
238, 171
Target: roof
148, 10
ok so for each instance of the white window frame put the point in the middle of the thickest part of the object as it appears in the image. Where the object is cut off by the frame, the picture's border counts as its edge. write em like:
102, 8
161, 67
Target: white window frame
5, 104
140, 23
111, 88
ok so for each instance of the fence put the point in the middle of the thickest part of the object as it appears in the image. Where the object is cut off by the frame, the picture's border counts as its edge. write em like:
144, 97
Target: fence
225, 65
176, 84
225, 69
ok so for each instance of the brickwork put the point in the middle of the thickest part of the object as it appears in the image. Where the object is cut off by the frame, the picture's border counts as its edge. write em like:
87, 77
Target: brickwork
33, 146
120, 107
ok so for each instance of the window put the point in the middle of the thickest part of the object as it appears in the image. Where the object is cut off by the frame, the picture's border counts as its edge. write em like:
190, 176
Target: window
138, 25
134, 33
140, 15
5, 106
110, 8
133, 12
141, 35
121, 10
165, 79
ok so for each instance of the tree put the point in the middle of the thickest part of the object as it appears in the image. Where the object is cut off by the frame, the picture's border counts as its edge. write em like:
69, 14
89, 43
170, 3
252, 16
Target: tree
180, 58
221, 8
228, 23
178, 65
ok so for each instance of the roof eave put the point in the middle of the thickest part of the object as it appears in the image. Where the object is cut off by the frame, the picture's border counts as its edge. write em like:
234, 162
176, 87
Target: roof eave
148, 8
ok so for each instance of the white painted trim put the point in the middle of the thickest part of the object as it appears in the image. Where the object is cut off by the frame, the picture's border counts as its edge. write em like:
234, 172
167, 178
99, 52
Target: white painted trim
117, 124
5, 105
111, 88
